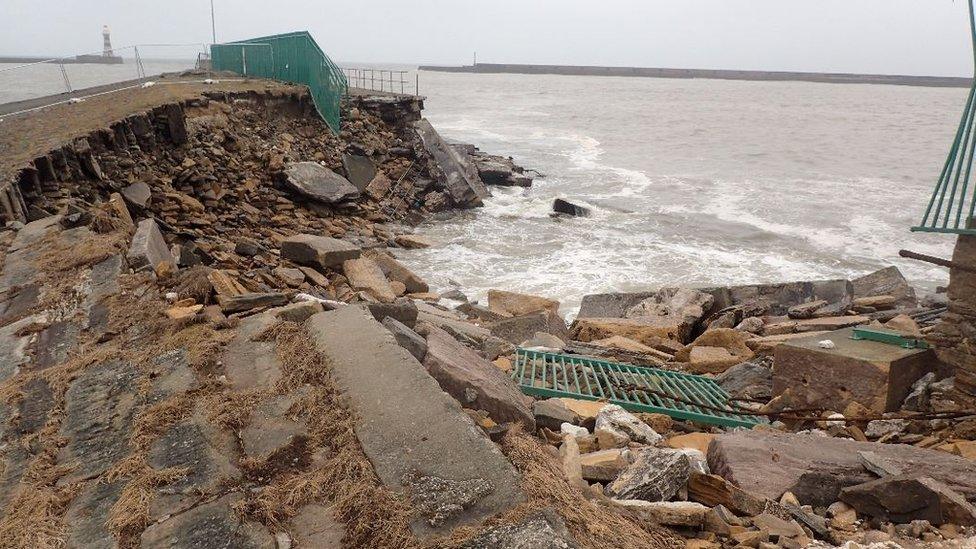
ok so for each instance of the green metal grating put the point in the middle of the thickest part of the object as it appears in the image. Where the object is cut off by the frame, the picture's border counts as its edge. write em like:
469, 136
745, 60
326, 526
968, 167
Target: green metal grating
953, 203
635, 388
293, 57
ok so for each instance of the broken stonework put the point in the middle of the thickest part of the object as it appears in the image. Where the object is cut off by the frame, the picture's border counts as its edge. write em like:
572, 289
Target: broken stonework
148, 249
364, 274
657, 474
319, 183
621, 423
455, 172
88, 515
684, 305
359, 169
396, 271
317, 251
519, 329
515, 304
886, 282
439, 500
475, 382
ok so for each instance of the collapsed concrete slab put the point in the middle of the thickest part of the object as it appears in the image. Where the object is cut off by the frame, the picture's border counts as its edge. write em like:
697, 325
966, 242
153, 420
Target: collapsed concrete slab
428, 434
457, 174
770, 463
877, 375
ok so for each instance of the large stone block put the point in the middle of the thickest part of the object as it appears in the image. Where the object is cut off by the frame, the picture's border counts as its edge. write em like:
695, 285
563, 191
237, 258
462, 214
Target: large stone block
456, 173
365, 275
888, 281
515, 304
768, 463
648, 330
475, 382
519, 329
612, 305
394, 270
877, 375
319, 183
148, 248
317, 251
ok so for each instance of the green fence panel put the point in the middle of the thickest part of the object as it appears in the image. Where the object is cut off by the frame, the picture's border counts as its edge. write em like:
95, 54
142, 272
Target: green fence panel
293, 57
635, 388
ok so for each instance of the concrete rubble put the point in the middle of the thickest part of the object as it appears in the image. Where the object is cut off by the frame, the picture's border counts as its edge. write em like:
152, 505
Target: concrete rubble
208, 331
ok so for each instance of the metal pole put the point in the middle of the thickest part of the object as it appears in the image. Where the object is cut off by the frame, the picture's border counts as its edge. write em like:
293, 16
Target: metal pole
416, 85
213, 23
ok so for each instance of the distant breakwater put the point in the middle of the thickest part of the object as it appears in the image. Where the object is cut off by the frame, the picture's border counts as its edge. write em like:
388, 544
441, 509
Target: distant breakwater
823, 77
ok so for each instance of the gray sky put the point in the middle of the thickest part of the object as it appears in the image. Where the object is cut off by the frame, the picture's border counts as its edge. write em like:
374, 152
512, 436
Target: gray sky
929, 37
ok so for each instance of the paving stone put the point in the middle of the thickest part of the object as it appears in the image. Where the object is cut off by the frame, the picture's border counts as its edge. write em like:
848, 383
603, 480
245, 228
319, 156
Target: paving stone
34, 408
19, 303
55, 342
171, 374
315, 527
271, 430
251, 365
87, 517
14, 348
213, 525
206, 453
100, 406
429, 435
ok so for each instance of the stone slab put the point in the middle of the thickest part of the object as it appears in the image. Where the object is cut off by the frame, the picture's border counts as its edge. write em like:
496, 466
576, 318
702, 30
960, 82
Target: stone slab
148, 248
611, 305
459, 176
406, 423
767, 463
316, 182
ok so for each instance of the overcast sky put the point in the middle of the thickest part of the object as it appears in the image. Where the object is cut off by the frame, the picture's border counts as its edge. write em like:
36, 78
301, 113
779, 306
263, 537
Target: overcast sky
925, 37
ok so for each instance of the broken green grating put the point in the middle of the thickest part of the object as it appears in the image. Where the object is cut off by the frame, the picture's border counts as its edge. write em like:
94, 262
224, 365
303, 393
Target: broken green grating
635, 388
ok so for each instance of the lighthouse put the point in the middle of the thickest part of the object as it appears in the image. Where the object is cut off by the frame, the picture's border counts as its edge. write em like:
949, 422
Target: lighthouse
107, 42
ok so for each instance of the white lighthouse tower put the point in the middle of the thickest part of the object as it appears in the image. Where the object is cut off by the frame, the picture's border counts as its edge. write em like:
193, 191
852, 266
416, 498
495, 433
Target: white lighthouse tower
107, 42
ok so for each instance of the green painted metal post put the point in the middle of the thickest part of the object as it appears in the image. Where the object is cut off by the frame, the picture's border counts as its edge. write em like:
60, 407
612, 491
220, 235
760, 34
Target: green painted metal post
957, 168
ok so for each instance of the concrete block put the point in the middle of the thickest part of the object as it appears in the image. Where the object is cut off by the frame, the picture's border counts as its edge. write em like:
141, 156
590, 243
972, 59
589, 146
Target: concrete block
148, 249
877, 375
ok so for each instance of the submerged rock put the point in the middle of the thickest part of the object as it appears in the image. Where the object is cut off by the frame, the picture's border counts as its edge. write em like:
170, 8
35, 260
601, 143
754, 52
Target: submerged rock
563, 207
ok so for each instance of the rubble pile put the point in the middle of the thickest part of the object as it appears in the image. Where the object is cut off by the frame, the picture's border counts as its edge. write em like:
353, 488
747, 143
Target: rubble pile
206, 333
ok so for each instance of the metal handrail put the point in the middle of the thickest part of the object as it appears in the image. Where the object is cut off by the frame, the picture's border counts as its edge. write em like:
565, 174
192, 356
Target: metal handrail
383, 80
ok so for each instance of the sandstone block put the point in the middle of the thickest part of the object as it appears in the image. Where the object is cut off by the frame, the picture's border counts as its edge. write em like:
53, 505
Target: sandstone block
365, 275
515, 304
317, 251
148, 249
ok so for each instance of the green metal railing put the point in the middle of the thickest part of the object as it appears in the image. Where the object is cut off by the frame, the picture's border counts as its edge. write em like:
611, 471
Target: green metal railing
952, 205
294, 57
635, 388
